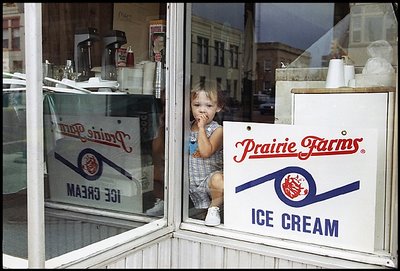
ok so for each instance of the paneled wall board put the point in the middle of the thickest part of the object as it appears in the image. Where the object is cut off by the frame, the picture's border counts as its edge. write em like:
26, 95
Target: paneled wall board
186, 253
135, 260
211, 256
165, 252
150, 257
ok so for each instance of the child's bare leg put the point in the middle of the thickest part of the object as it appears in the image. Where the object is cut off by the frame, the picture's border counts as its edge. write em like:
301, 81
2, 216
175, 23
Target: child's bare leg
217, 189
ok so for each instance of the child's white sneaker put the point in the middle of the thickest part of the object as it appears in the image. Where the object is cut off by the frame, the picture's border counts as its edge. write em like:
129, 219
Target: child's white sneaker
158, 208
213, 218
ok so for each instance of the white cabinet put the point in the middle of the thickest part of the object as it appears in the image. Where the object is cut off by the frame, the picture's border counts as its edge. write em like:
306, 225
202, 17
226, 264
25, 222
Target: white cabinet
356, 108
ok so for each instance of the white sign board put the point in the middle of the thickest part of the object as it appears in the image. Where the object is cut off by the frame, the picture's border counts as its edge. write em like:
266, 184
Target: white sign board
95, 161
310, 184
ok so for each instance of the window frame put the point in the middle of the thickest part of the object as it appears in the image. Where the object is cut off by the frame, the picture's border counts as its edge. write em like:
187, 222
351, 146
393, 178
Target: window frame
13, 26
177, 81
267, 65
202, 50
233, 56
219, 53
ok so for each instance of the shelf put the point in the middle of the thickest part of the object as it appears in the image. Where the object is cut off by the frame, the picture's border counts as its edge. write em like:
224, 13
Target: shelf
343, 90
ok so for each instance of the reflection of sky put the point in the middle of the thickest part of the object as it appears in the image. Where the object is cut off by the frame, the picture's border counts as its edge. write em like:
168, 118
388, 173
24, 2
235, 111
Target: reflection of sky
306, 26
296, 24
230, 14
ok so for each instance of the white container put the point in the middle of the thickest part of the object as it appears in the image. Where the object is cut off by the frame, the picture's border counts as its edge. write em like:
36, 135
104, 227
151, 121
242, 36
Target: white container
348, 74
335, 76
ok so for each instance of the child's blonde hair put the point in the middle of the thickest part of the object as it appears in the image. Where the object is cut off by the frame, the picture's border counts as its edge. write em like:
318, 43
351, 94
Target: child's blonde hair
211, 91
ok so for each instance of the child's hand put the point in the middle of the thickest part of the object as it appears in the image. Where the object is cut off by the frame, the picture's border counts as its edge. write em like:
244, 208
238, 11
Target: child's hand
202, 120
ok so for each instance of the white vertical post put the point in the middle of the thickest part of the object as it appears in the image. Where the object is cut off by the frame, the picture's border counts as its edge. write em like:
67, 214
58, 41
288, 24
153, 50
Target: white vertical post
174, 101
34, 130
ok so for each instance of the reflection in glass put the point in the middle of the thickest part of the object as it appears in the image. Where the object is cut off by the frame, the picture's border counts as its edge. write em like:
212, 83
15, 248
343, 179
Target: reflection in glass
14, 134
104, 144
14, 174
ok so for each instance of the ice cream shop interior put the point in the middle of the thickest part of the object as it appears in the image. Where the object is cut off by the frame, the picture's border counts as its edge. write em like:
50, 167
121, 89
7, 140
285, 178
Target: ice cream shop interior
200, 135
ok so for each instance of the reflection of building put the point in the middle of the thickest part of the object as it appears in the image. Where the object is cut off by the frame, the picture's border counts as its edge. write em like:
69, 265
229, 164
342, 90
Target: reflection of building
217, 54
216, 50
273, 55
13, 37
370, 22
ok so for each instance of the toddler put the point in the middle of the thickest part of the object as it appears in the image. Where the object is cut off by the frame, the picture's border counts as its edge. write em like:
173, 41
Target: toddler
206, 182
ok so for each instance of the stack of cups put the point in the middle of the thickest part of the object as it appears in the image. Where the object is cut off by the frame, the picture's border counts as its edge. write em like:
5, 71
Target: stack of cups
158, 80
339, 74
335, 76
349, 75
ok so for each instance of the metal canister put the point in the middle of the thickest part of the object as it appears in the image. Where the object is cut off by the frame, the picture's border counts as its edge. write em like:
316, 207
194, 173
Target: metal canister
47, 69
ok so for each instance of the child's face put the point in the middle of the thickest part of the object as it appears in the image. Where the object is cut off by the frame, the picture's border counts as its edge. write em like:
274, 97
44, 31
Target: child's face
204, 106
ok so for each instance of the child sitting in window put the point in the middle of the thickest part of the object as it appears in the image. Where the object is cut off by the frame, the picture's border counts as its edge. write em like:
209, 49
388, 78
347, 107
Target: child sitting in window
206, 181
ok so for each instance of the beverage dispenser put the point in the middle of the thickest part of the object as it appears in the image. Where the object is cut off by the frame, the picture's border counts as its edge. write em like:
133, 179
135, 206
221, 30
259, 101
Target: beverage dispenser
112, 41
84, 39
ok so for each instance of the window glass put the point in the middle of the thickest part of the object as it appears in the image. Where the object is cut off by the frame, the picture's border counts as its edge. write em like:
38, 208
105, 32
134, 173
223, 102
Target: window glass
280, 47
14, 171
14, 135
103, 122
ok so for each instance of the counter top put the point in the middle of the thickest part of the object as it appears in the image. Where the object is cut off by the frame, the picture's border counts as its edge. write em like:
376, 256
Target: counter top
342, 90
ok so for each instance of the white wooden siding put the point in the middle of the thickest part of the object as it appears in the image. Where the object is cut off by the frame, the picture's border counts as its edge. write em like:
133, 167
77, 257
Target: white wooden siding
186, 251
64, 235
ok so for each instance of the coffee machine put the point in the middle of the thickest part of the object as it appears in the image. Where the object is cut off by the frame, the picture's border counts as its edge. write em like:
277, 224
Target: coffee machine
113, 40
84, 39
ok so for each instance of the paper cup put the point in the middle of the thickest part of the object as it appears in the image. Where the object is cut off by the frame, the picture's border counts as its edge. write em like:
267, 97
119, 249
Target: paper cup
352, 83
335, 76
348, 74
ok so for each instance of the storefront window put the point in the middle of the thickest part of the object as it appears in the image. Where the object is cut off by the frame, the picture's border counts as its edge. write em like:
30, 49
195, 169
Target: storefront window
103, 119
274, 125
284, 49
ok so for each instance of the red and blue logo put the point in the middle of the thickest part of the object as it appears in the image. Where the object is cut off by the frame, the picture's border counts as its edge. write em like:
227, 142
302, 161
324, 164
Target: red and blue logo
296, 187
90, 164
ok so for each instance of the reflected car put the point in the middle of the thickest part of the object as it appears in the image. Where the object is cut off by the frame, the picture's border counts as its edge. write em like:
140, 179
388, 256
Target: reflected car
267, 107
